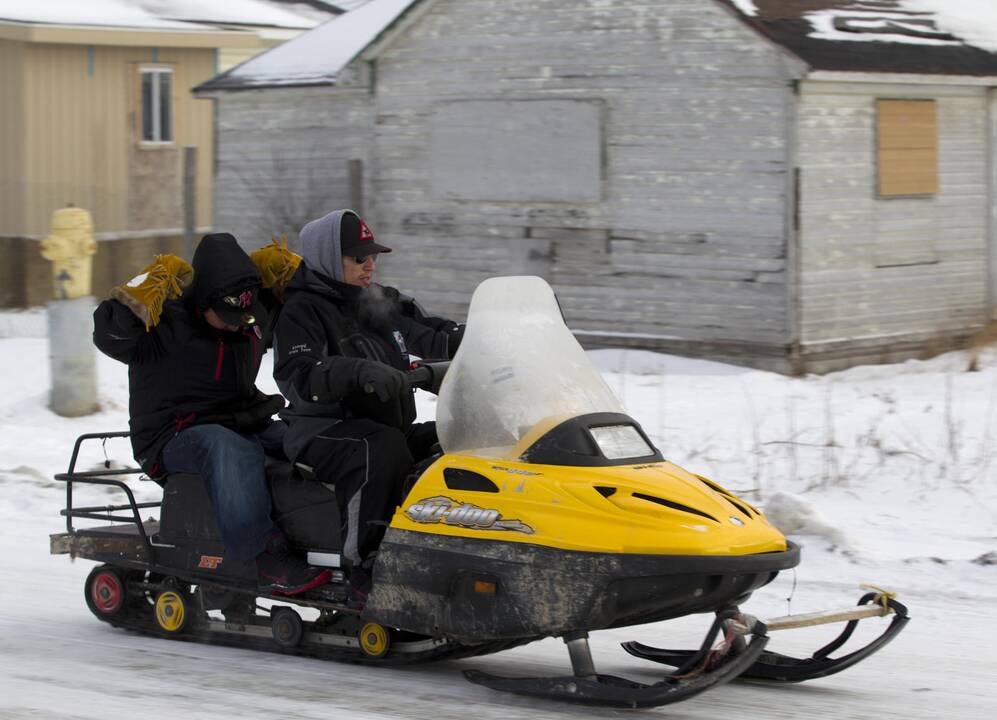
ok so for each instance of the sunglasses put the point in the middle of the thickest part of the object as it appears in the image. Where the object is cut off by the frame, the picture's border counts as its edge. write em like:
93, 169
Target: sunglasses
361, 259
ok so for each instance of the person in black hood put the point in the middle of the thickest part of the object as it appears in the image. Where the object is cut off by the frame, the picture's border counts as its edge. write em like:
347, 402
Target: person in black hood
193, 402
342, 347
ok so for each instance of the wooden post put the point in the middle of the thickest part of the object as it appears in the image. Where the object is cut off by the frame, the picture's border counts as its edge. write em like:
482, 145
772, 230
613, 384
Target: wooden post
356, 186
189, 198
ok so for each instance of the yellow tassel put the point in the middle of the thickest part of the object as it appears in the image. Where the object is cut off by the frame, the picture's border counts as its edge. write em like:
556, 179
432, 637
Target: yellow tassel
163, 279
276, 264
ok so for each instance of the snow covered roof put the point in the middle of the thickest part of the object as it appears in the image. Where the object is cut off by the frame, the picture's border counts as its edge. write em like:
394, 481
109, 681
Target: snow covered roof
226, 12
946, 37
317, 10
350, 4
101, 13
188, 15
317, 56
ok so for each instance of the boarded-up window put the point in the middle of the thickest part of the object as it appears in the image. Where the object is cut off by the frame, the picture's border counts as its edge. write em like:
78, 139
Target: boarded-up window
908, 147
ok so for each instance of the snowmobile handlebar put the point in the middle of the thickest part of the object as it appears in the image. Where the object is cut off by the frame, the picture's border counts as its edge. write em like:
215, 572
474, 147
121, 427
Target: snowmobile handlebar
428, 374
423, 374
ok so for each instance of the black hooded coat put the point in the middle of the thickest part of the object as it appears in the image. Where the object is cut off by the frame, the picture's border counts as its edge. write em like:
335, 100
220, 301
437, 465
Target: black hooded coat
184, 372
328, 328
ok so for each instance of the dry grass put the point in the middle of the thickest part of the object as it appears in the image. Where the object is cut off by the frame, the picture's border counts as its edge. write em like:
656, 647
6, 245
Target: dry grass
987, 337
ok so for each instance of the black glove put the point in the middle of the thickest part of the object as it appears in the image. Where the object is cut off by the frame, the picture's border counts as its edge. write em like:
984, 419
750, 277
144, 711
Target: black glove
258, 417
380, 379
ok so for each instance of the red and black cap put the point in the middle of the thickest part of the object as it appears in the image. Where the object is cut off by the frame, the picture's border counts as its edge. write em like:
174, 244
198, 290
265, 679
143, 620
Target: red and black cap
239, 305
356, 239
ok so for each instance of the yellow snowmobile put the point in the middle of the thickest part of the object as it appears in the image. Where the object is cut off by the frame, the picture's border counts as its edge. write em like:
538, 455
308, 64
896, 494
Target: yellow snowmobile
549, 513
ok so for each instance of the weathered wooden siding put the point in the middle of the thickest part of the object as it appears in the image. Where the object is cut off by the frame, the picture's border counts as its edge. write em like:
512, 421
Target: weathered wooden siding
688, 238
877, 273
79, 143
283, 157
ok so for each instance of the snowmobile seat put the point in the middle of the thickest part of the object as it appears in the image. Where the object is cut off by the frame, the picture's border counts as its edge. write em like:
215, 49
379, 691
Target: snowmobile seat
186, 514
303, 508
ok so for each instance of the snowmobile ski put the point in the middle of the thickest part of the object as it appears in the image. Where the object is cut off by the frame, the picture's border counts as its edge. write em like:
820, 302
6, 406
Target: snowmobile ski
703, 669
776, 667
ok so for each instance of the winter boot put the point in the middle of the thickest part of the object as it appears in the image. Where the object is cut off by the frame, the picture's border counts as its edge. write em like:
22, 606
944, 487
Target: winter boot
360, 584
281, 572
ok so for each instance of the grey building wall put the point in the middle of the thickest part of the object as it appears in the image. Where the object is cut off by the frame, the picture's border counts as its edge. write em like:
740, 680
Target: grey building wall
885, 278
660, 132
283, 157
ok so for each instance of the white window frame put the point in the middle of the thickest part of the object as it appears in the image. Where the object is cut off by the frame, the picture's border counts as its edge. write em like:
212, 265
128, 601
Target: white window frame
156, 71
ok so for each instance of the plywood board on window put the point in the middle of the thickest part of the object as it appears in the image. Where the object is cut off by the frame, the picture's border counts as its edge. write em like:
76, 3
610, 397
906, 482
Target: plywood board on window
907, 144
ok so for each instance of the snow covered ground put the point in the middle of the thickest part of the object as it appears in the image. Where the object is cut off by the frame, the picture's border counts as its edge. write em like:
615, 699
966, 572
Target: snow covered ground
884, 474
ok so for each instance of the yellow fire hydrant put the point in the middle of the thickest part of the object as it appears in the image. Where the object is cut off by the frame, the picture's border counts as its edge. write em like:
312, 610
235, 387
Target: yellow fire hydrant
71, 246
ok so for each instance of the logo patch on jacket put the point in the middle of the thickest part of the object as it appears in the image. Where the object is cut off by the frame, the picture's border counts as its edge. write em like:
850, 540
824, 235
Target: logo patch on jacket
400, 339
242, 300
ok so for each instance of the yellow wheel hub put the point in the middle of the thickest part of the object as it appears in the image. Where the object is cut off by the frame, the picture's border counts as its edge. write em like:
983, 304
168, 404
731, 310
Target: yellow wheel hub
171, 611
374, 640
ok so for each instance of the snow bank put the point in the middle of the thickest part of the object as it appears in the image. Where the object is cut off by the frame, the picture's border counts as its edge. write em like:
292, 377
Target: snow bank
31, 323
794, 515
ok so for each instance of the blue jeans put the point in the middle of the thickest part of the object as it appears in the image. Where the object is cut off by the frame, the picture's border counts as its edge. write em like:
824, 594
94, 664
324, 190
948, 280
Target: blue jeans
231, 466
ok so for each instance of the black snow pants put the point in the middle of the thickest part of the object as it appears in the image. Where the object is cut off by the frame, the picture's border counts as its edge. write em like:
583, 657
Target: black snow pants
367, 462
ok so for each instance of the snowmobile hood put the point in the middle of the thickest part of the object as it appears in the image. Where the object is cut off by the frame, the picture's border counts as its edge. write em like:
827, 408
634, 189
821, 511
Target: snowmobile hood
539, 449
650, 508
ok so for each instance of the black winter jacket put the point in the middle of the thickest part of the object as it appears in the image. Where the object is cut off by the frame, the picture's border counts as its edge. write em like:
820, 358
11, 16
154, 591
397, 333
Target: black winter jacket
326, 330
183, 372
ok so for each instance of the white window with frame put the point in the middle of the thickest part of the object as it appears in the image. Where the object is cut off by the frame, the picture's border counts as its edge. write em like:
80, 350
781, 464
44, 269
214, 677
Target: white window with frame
157, 105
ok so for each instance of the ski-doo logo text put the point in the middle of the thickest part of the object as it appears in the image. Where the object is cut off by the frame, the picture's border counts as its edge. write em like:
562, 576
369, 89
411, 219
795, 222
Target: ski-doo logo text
442, 509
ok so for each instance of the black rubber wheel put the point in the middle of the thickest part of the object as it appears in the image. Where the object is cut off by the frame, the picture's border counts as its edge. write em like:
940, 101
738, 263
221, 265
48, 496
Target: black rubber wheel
285, 624
106, 592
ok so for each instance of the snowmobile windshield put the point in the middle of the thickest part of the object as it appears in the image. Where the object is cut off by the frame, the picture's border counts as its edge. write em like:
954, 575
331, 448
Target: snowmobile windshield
518, 368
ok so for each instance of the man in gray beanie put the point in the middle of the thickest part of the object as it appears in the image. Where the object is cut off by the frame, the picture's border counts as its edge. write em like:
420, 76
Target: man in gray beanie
342, 347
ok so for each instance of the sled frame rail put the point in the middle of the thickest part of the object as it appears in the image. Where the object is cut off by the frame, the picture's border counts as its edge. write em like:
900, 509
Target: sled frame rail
104, 477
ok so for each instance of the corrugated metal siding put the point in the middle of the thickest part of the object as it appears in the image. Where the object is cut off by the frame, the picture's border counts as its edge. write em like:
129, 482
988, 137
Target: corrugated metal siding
283, 158
848, 292
12, 122
79, 132
688, 238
